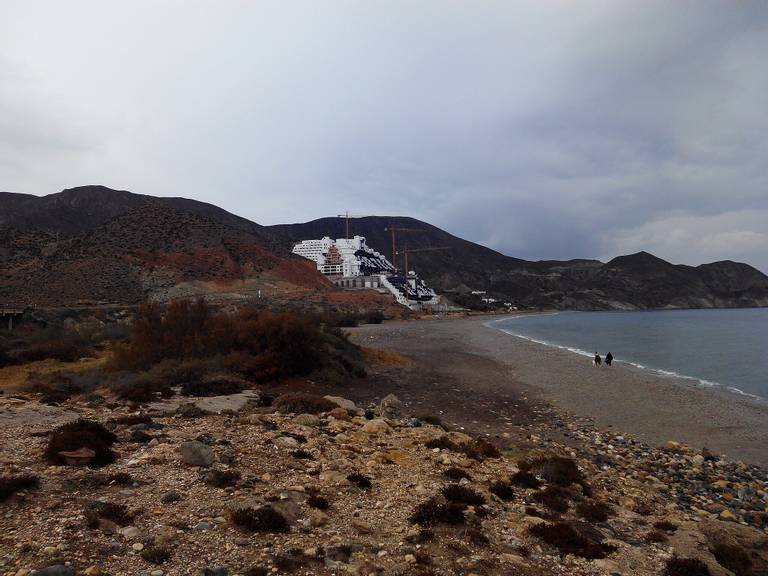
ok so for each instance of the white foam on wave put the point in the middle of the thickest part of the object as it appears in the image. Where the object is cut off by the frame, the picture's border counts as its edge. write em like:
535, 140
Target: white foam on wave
657, 371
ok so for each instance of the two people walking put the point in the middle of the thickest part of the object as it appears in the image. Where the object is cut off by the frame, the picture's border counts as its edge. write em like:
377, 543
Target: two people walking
598, 361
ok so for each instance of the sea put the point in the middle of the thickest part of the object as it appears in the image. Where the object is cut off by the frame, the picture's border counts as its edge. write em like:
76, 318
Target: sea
725, 348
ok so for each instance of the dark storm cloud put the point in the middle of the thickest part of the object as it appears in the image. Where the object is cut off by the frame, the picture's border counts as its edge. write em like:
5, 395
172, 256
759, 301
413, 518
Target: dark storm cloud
542, 129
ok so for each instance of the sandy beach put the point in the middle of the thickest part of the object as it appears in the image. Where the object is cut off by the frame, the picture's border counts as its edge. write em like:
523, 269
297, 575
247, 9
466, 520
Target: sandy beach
487, 369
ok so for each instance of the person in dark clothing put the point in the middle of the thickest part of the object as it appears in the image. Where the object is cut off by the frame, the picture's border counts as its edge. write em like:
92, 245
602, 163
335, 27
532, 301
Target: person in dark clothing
608, 359
597, 361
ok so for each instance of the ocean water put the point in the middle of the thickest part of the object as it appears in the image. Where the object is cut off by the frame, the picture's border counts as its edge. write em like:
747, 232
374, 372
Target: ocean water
726, 348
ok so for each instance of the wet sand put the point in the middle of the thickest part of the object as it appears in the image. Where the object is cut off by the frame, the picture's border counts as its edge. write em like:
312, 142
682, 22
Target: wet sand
483, 360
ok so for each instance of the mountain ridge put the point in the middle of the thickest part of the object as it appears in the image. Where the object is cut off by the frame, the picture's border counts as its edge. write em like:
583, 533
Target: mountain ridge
114, 244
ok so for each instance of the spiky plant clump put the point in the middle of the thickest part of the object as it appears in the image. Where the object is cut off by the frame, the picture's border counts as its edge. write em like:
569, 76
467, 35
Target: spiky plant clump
462, 495
436, 511
567, 540
81, 434
503, 490
263, 519
594, 511
686, 567
319, 502
526, 479
9, 485
156, 554
362, 481
456, 474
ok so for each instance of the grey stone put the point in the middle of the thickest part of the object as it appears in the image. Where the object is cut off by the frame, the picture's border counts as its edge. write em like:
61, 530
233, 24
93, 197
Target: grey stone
55, 570
390, 406
196, 453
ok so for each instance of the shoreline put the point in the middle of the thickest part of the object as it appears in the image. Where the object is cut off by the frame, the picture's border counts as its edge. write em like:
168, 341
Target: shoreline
684, 379
477, 358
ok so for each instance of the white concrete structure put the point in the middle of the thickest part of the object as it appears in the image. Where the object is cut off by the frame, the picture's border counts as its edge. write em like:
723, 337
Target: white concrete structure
344, 256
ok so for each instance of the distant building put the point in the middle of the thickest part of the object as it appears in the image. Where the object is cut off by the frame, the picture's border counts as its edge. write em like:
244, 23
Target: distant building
345, 257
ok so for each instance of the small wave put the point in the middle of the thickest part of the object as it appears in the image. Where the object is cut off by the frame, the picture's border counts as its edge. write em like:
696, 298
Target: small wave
658, 371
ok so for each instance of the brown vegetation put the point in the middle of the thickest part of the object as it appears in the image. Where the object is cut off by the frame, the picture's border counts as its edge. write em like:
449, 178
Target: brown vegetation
686, 567
81, 434
9, 485
263, 519
565, 538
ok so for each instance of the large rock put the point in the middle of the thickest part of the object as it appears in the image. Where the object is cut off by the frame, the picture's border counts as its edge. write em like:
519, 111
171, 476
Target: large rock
390, 406
343, 403
376, 427
196, 453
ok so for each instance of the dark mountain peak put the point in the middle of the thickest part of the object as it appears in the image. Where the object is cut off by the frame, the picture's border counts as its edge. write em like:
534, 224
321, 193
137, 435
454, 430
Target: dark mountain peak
640, 259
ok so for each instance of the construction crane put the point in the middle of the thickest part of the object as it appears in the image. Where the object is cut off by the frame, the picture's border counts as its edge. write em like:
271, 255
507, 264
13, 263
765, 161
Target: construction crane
394, 229
346, 217
407, 251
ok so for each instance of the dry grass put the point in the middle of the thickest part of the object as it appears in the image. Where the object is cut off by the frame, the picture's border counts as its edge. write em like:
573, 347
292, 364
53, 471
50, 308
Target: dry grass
385, 357
14, 378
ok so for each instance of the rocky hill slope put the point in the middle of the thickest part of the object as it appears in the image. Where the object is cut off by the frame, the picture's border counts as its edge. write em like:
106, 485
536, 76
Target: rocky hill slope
636, 281
96, 245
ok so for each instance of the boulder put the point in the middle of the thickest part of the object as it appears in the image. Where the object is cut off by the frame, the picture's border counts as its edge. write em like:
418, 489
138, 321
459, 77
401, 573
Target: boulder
80, 457
196, 453
342, 402
376, 427
390, 406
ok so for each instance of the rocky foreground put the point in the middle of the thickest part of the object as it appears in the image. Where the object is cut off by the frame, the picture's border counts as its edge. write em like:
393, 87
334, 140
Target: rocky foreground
260, 489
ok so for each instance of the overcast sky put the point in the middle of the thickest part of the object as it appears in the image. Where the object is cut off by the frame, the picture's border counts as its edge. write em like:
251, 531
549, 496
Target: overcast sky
543, 129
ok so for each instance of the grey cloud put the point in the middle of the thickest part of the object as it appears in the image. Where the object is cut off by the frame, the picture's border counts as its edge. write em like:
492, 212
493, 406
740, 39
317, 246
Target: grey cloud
543, 129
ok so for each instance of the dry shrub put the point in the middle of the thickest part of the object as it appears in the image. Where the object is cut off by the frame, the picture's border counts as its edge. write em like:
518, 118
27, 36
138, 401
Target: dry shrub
525, 479
734, 558
387, 357
565, 538
362, 481
456, 474
557, 470
477, 449
302, 404
263, 519
553, 497
656, 536
155, 554
442, 443
81, 434
222, 478
437, 511
215, 385
593, 511
319, 502
117, 513
665, 526
9, 485
459, 494
262, 346
133, 419
686, 567
503, 490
